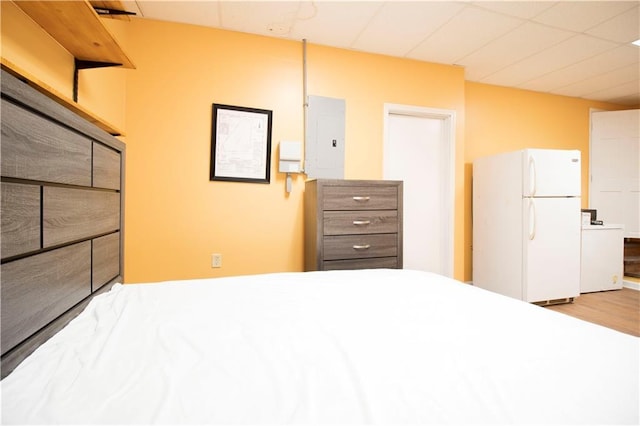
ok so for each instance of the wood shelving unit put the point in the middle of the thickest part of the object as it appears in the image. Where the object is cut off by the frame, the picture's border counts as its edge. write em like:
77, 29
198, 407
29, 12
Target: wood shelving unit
77, 27
59, 97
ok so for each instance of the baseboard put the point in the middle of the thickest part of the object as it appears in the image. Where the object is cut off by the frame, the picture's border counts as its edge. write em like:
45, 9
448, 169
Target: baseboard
633, 284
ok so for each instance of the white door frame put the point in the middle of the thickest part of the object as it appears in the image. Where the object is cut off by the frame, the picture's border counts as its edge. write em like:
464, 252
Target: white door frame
591, 111
449, 138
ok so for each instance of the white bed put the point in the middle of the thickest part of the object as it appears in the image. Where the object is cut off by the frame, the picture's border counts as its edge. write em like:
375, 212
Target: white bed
373, 346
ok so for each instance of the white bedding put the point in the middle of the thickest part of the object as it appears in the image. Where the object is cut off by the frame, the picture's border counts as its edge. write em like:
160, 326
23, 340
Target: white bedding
378, 346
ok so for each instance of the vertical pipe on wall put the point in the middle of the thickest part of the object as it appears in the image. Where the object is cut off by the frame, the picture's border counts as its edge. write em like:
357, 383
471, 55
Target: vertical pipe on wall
305, 101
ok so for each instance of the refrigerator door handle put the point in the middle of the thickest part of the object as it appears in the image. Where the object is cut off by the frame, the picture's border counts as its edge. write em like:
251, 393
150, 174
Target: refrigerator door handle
532, 220
532, 175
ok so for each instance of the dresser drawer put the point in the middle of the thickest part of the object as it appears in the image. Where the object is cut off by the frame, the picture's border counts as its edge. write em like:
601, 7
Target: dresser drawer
71, 214
106, 167
360, 246
20, 214
360, 222
35, 148
36, 289
371, 263
105, 258
354, 197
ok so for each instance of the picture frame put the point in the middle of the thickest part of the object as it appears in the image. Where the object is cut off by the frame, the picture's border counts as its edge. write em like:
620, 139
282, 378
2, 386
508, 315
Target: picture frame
240, 144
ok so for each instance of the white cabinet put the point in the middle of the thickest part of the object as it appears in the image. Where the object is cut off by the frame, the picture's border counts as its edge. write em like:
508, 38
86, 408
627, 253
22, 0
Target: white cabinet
602, 254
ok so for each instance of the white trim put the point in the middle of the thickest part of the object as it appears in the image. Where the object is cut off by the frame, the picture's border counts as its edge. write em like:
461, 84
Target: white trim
633, 285
449, 136
590, 177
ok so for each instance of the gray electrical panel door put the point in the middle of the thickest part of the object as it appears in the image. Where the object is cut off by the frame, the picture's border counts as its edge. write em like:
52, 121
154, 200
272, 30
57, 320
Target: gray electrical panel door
324, 148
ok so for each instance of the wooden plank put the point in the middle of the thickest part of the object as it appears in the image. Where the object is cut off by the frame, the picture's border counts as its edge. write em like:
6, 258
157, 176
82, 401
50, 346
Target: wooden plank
37, 149
617, 309
338, 247
106, 260
356, 196
110, 4
20, 217
106, 167
55, 96
71, 214
312, 226
77, 27
345, 222
379, 262
36, 289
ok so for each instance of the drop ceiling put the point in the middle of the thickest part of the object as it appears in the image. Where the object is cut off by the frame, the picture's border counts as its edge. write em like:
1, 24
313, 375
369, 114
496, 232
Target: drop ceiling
574, 48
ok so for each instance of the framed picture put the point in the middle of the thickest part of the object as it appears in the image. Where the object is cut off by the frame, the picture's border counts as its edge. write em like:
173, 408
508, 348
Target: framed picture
240, 144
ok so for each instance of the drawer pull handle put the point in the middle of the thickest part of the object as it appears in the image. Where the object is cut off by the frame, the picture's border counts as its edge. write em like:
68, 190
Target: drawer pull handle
357, 198
361, 222
362, 247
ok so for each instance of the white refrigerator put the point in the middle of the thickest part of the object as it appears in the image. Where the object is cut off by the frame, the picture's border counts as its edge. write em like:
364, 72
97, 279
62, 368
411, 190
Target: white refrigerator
526, 224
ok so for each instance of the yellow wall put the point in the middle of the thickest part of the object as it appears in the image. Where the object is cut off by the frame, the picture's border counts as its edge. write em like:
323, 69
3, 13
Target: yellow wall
176, 218
28, 46
103, 90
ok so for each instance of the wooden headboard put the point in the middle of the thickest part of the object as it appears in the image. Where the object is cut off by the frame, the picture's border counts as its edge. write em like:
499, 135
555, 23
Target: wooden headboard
62, 222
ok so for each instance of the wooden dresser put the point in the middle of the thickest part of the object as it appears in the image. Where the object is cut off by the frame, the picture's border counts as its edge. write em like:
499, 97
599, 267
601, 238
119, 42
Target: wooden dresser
61, 216
352, 224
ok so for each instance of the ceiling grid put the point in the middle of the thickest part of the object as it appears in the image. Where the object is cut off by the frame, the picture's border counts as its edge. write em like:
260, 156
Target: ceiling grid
572, 48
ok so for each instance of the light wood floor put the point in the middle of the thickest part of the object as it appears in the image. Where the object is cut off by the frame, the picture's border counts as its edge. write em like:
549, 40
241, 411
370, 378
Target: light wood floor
617, 309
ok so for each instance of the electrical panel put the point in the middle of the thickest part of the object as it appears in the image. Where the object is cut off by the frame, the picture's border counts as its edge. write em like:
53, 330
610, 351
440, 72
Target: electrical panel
324, 148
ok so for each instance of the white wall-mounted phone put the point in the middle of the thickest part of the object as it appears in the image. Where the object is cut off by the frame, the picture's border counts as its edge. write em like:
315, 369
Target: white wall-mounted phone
290, 159
290, 156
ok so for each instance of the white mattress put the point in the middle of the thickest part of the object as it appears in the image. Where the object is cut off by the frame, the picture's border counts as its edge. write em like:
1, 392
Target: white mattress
379, 346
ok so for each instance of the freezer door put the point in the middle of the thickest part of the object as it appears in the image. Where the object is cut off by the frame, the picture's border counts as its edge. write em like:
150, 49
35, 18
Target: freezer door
551, 173
551, 252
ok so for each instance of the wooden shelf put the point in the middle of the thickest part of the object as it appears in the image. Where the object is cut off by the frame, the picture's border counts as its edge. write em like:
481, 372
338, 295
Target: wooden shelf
110, 4
59, 97
78, 28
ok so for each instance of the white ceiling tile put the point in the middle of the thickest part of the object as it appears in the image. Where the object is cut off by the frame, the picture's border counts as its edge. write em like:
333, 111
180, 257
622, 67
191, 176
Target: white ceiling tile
604, 63
625, 75
400, 26
561, 55
196, 13
524, 41
518, 9
630, 101
626, 93
131, 6
335, 24
605, 81
580, 47
264, 18
623, 28
466, 32
553, 82
581, 15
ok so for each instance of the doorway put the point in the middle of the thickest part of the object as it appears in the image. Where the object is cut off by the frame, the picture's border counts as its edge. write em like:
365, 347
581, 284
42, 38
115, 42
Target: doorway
419, 149
614, 168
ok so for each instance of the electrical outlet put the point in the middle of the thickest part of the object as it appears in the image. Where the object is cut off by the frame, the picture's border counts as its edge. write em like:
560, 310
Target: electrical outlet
216, 260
